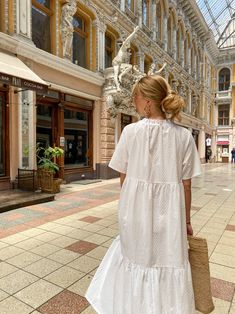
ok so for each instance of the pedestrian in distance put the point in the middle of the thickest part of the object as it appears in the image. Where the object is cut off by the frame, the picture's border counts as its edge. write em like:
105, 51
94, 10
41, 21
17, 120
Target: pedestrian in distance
146, 269
233, 155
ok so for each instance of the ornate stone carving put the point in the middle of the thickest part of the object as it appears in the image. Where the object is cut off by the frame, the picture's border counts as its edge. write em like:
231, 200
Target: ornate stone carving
123, 58
120, 79
67, 29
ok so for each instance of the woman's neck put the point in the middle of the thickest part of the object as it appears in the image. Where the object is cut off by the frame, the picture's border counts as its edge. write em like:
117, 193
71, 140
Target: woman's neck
156, 117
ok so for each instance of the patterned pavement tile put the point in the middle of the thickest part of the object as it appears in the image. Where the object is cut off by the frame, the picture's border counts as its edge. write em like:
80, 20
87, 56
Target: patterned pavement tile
81, 247
90, 219
230, 227
65, 302
222, 289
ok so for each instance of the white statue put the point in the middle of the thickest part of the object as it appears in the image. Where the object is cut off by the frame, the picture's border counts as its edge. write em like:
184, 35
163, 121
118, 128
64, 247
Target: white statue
68, 11
122, 58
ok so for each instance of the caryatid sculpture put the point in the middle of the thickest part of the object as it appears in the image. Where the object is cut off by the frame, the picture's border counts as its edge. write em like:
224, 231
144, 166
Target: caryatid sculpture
122, 58
67, 29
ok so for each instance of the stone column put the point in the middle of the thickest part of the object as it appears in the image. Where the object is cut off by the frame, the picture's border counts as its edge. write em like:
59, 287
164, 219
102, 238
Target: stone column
23, 18
189, 58
154, 20
201, 144
100, 41
181, 50
122, 5
189, 101
213, 145
27, 130
140, 56
107, 142
164, 32
139, 10
174, 43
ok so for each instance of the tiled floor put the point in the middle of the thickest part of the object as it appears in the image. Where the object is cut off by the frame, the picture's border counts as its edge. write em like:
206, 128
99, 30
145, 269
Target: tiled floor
49, 252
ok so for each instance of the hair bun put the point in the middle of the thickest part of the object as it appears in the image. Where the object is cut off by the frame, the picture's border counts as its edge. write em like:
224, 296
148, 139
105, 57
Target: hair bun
172, 105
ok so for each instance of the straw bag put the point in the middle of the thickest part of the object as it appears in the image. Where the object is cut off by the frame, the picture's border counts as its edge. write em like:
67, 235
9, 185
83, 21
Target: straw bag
199, 262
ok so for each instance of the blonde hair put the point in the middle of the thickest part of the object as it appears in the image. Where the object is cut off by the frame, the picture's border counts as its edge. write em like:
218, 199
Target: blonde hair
156, 89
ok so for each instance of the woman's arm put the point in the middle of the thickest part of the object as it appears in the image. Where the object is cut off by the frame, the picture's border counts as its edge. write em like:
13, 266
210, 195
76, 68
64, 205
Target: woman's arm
187, 195
122, 178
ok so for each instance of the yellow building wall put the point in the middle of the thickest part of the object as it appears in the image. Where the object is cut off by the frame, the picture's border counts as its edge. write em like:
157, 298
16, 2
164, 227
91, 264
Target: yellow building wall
233, 73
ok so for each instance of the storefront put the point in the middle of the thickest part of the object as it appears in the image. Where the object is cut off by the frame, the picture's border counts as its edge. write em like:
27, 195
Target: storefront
66, 121
223, 148
15, 80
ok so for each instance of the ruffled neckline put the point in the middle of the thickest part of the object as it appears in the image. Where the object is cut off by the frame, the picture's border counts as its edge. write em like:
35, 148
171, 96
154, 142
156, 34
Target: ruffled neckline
155, 121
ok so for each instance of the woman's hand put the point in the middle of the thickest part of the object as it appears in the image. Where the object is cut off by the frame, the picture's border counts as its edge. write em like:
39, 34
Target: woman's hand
189, 229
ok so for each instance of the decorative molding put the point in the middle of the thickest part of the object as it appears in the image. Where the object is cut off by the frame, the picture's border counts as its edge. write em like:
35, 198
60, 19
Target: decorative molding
16, 46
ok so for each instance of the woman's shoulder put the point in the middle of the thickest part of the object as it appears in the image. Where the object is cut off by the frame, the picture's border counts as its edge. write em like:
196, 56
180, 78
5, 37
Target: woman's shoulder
182, 130
130, 127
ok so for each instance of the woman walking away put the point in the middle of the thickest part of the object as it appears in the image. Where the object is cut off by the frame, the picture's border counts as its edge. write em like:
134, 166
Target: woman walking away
146, 269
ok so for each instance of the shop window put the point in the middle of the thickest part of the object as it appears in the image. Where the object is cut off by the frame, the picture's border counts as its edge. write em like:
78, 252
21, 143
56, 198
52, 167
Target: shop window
145, 12
77, 138
224, 79
109, 50
223, 114
44, 125
41, 24
80, 36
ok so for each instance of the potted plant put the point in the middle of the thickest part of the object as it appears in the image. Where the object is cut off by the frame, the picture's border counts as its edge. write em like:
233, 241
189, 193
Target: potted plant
47, 168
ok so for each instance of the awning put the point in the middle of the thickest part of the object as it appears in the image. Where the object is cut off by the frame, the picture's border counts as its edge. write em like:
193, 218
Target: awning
14, 72
222, 142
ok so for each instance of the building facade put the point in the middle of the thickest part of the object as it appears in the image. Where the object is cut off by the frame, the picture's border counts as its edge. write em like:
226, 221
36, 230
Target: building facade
69, 46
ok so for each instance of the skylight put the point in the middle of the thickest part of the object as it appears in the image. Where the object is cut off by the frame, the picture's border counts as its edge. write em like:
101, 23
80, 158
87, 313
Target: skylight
220, 15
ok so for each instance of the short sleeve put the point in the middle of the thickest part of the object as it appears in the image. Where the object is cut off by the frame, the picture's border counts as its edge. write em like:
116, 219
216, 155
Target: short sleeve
191, 161
119, 159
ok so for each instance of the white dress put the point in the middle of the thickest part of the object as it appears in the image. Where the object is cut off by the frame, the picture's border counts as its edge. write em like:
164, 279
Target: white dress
146, 269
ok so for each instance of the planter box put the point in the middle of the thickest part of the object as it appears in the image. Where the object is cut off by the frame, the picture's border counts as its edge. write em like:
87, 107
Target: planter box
47, 182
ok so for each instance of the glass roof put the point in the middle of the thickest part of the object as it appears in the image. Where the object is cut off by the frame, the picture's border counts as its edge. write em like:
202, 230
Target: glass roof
218, 15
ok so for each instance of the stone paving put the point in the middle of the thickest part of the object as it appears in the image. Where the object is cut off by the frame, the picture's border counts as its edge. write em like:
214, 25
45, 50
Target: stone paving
49, 252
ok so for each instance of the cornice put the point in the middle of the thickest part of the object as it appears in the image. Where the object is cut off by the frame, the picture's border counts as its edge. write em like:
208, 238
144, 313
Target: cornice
29, 51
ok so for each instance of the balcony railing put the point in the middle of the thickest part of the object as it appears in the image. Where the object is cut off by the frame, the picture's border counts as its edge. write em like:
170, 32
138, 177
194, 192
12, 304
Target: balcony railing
224, 94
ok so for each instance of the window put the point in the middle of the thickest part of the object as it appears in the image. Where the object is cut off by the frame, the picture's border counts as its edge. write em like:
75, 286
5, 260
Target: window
44, 125
145, 12
41, 24
109, 50
224, 79
80, 41
223, 114
130, 5
77, 142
